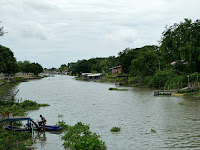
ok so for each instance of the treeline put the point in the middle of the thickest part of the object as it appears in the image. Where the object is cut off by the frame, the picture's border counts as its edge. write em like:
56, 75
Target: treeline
175, 62
8, 63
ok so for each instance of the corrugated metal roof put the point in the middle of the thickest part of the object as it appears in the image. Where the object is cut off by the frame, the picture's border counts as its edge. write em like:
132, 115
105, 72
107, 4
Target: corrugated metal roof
95, 75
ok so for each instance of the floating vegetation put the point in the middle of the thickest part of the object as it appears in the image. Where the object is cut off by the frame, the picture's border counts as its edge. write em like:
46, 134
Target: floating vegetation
19, 109
116, 89
153, 131
181, 103
14, 140
115, 129
60, 115
79, 137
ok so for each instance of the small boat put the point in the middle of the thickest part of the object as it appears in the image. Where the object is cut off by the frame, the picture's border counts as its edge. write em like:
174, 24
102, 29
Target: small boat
29, 123
51, 128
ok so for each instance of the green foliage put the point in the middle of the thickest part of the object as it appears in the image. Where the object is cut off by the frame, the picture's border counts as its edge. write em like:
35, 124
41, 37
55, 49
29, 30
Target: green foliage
153, 130
115, 129
7, 61
160, 78
181, 42
92, 65
28, 67
79, 137
64, 125
2, 32
63, 67
13, 140
19, 109
128, 55
181, 103
147, 62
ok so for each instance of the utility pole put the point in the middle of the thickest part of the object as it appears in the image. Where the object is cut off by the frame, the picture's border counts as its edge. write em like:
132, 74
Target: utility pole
188, 80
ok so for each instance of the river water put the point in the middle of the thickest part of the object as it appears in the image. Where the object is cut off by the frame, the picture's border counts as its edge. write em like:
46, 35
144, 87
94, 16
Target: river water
135, 111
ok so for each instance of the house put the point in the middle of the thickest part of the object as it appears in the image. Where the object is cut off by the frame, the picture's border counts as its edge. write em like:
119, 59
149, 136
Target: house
117, 69
91, 76
96, 76
84, 75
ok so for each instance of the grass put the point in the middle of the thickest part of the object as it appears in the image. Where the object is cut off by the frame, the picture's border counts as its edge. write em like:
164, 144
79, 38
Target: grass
115, 129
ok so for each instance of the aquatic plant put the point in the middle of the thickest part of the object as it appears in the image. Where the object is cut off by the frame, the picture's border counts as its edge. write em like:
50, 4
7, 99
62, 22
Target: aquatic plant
79, 137
116, 89
60, 115
14, 140
115, 129
181, 103
153, 131
63, 124
19, 109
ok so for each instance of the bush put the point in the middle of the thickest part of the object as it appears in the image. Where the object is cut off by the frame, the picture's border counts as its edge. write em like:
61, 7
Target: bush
160, 78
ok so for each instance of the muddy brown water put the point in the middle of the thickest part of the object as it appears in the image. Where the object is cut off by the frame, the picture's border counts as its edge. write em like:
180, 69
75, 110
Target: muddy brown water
135, 111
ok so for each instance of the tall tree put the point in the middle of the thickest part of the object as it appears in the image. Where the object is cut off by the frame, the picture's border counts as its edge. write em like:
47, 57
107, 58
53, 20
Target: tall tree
7, 61
181, 42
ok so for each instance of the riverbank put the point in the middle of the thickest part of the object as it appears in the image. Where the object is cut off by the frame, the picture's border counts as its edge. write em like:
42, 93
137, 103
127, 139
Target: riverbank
139, 82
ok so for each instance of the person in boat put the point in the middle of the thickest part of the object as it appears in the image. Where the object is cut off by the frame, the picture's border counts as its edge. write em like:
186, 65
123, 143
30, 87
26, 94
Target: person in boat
42, 122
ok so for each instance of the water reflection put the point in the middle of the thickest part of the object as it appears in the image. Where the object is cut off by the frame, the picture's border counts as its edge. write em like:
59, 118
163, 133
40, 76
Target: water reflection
40, 138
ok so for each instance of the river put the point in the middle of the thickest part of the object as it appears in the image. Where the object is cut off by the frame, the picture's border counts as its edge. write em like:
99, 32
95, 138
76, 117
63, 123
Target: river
135, 111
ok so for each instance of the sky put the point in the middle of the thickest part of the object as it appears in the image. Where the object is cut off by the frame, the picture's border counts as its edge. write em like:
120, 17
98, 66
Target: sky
55, 32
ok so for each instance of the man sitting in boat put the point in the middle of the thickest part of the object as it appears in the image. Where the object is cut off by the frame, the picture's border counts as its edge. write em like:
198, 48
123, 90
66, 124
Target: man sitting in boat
42, 122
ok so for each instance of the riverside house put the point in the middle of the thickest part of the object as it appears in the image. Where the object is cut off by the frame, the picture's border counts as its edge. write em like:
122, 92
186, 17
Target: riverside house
91, 76
117, 69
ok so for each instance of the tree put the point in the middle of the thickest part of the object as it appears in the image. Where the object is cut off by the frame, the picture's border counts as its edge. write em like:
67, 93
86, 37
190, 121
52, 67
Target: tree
7, 61
35, 68
2, 31
181, 42
24, 66
63, 67
147, 62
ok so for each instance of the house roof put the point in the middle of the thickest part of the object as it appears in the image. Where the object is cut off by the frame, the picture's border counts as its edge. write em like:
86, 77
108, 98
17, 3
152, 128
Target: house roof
86, 73
95, 75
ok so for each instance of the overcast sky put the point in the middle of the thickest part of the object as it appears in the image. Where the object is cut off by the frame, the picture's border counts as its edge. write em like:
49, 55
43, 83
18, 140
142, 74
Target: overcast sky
55, 32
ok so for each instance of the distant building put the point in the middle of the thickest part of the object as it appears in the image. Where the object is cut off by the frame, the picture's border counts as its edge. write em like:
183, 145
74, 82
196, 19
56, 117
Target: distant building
84, 75
117, 69
91, 76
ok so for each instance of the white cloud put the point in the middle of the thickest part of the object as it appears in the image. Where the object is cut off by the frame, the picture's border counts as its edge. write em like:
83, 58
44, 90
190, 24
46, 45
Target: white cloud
78, 29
